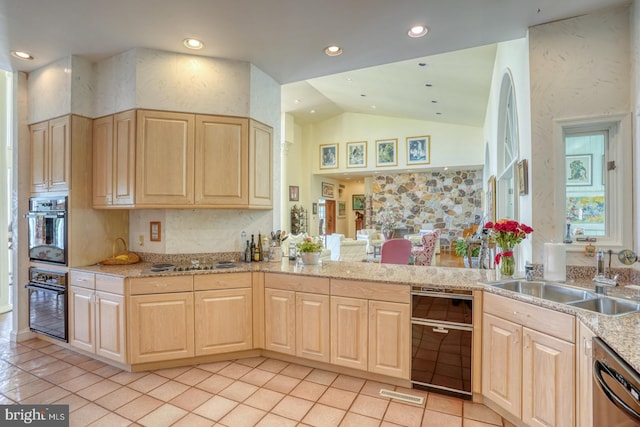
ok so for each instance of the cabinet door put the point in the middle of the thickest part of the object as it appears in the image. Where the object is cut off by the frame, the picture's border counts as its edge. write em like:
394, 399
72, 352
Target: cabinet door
584, 382
223, 321
502, 363
110, 326
102, 161
221, 161
39, 137
59, 154
164, 158
161, 327
280, 321
547, 380
81, 319
260, 164
124, 158
312, 326
390, 339
349, 337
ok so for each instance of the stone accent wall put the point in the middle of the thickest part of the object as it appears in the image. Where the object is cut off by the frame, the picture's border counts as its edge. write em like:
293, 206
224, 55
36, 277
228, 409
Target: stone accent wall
450, 200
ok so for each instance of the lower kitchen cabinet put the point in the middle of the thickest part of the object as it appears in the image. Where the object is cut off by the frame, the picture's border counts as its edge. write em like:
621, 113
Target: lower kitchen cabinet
528, 372
223, 321
312, 326
97, 317
161, 327
584, 373
389, 339
349, 332
280, 321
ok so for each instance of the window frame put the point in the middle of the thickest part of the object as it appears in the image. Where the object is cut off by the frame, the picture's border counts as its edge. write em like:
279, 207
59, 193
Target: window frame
619, 209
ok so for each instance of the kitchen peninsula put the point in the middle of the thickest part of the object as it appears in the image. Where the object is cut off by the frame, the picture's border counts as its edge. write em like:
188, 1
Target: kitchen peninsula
273, 302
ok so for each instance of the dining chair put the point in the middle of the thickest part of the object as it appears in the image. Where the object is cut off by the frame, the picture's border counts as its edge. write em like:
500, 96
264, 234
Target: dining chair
395, 251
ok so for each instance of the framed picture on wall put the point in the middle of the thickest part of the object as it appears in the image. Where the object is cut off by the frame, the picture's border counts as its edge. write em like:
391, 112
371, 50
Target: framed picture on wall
342, 209
329, 156
328, 190
357, 154
523, 177
419, 150
314, 208
357, 202
491, 199
294, 193
579, 169
386, 152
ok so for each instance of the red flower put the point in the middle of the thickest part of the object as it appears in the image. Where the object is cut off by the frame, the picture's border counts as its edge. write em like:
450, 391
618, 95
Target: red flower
507, 232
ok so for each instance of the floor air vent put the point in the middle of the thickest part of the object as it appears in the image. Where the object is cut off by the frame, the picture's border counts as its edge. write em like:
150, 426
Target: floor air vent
417, 400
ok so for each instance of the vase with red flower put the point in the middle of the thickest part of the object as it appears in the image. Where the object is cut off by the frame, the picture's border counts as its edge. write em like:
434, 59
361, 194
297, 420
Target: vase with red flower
506, 234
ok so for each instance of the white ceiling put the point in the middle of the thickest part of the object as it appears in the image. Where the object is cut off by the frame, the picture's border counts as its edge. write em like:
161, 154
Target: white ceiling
286, 39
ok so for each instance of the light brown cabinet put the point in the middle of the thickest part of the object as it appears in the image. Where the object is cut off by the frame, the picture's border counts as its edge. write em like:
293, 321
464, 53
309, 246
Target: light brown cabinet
584, 374
529, 361
97, 321
50, 155
371, 327
223, 313
193, 160
297, 316
114, 160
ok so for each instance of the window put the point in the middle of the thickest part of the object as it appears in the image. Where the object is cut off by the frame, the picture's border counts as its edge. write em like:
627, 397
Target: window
507, 152
594, 169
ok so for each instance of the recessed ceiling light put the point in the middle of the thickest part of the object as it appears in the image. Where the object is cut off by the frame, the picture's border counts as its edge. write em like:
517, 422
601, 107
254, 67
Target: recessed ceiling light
434, 101
193, 44
296, 101
422, 64
428, 85
21, 55
418, 31
312, 111
439, 113
333, 50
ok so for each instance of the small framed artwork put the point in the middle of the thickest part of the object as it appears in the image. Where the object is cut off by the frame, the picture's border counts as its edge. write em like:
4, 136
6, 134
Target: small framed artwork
579, 169
342, 209
357, 154
329, 156
491, 199
294, 193
419, 150
523, 177
155, 231
386, 152
357, 202
328, 190
314, 208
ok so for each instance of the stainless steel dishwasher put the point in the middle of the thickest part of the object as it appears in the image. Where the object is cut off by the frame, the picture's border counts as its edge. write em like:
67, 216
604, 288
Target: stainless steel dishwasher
616, 389
442, 337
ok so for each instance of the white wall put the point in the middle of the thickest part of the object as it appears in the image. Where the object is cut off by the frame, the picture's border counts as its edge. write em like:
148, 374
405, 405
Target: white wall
580, 68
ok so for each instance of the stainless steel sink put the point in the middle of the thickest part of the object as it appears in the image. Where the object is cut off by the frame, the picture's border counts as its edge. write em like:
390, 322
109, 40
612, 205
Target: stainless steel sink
548, 291
609, 306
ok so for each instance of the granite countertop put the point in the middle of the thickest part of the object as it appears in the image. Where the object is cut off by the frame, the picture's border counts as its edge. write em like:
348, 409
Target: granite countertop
622, 333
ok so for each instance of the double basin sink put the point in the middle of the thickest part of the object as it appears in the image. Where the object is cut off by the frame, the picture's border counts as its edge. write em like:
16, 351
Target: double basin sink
574, 297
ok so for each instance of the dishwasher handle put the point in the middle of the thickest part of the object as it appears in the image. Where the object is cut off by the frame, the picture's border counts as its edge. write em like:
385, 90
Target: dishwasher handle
598, 369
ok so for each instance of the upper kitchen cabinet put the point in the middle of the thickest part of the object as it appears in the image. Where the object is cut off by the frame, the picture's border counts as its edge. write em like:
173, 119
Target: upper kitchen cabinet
222, 161
114, 160
164, 159
51, 155
202, 161
260, 165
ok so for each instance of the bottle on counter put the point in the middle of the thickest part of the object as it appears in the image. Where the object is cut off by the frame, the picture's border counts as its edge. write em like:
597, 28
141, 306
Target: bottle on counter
259, 256
247, 253
252, 249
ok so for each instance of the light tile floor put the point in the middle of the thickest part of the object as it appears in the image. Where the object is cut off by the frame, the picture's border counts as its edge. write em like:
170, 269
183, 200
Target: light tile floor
248, 392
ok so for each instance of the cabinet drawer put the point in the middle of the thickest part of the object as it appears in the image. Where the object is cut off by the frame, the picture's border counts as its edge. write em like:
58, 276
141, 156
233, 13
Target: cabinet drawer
554, 323
368, 290
294, 282
82, 279
112, 284
160, 285
221, 281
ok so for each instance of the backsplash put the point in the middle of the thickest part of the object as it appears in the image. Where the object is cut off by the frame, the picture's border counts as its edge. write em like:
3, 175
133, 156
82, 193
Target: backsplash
449, 200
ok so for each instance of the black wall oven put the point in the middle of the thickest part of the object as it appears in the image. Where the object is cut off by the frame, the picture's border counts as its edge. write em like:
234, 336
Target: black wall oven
47, 229
442, 334
48, 302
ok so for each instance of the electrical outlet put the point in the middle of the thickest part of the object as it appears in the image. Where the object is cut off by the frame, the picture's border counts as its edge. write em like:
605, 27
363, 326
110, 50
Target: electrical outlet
141, 240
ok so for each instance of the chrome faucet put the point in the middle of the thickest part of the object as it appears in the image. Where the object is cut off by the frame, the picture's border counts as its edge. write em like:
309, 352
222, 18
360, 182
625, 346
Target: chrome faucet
603, 279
